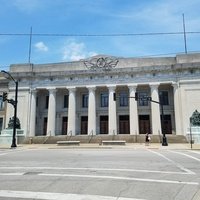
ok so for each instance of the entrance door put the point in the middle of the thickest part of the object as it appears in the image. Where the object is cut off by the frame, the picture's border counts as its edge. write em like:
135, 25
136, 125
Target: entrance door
167, 124
124, 127
45, 126
103, 124
144, 124
84, 125
64, 125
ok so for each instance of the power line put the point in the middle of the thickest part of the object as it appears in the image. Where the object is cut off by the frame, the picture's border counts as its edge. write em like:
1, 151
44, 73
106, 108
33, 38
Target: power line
99, 35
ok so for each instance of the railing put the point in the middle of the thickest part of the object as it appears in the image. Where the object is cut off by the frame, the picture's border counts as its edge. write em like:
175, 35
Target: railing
113, 135
70, 135
90, 136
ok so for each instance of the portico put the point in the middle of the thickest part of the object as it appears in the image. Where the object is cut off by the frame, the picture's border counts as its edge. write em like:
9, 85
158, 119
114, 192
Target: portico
92, 110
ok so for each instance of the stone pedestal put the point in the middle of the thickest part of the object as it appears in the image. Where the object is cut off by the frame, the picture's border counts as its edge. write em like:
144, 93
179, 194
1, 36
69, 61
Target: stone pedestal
7, 134
195, 132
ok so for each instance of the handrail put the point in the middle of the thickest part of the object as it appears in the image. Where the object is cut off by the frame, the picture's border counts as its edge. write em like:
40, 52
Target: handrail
90, 136
69, 134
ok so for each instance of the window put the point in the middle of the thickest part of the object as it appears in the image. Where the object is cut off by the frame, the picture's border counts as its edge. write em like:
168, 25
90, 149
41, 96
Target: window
163, 97
66, 101
1, 103
143, 102
104, 100
37, 100
1, 124
47, 102
123, 100
85, 100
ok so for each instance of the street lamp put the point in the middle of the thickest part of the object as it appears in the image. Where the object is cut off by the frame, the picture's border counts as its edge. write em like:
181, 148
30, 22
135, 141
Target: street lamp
14, 103
164, 139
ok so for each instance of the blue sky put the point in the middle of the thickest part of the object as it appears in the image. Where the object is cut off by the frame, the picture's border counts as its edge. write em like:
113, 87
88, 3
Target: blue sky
94, 17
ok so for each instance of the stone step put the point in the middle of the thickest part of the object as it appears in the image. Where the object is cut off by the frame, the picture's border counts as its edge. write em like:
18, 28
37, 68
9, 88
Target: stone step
99, 138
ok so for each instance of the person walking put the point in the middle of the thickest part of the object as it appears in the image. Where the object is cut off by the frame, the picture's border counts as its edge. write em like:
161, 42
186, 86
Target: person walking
147, 139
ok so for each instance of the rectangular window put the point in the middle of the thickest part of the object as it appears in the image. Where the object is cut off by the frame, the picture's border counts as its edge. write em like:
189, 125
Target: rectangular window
1, 103
141, 101
104, 99
163, 97
123, 100
47, 102
37, 101
1, 124
66, 101
85, 100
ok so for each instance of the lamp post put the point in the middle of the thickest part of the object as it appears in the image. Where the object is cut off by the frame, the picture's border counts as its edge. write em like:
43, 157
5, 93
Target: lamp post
164, 139
15, 109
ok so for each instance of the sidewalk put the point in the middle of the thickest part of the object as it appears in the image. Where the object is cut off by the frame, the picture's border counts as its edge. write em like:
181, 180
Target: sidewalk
97, 146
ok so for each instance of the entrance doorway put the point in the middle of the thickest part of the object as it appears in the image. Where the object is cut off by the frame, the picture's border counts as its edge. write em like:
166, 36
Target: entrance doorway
84, 125
124, 124
64, 125
45, 126
167, 124
103, 124
144, 124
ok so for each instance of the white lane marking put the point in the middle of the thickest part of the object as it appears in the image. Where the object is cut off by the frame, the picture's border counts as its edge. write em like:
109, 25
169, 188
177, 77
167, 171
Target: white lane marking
13, 151
192, 157
197, 152
93, 169
121, 178
11, 174
56, 196
173, 162
106, 177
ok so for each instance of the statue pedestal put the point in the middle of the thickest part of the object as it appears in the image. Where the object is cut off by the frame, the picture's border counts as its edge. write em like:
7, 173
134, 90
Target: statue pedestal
195, 132
7, 135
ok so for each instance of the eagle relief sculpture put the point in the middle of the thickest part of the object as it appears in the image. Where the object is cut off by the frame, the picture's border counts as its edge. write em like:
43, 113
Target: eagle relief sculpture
101, 63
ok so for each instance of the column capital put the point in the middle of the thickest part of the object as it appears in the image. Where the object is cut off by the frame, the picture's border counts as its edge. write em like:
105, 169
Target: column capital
34, 91
71, 89
52, 89
132, 86
154, 86
175, 85
91, 88
111, 87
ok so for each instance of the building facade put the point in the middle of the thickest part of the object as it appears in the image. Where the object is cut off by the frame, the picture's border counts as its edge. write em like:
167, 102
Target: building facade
77, 98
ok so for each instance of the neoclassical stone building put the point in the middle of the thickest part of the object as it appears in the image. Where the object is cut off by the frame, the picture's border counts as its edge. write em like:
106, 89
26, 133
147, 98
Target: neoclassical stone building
76, 98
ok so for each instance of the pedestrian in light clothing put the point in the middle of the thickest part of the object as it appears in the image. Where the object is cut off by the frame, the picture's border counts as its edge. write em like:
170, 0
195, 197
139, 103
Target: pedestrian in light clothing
147, 139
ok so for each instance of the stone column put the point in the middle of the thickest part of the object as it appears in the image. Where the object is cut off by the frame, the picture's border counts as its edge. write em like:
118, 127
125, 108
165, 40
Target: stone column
133, 111
155, 110
112, 118
92, 111
33, 113
72, 111
51, 112
177, 109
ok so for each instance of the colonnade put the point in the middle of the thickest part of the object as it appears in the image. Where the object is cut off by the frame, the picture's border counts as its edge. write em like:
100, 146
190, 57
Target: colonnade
112, 113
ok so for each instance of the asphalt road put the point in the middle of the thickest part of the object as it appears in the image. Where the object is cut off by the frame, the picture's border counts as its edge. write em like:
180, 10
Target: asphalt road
99, 174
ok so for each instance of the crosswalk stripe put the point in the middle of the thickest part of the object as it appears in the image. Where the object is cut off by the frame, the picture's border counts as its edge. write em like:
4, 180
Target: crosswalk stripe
56, 196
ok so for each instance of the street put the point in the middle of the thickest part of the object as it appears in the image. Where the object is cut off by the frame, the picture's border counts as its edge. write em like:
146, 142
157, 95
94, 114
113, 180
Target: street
99, 174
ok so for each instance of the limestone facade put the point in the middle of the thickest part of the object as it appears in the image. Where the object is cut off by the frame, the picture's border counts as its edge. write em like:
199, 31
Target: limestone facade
70, 98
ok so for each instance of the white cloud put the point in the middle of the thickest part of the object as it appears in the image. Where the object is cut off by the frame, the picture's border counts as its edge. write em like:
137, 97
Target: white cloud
40, 46
27, 5
75, 51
